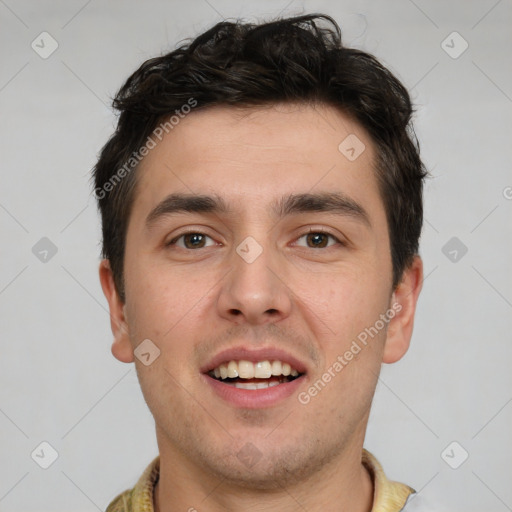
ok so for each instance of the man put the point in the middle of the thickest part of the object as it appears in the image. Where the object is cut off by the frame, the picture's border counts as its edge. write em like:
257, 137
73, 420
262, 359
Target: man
261, 203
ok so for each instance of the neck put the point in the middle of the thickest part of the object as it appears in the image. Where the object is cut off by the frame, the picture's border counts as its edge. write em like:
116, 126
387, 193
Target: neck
343, 484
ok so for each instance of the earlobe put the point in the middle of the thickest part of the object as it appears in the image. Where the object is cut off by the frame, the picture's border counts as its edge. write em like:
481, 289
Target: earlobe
121, 346
403, 302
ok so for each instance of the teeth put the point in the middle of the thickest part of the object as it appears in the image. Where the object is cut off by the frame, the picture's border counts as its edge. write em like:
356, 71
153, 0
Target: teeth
232, 370
255, 385
251, 385
249, 370
245, 369
276, 368
262, 370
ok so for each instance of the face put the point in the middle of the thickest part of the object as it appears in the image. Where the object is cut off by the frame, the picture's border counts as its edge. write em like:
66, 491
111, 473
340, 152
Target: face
257, 259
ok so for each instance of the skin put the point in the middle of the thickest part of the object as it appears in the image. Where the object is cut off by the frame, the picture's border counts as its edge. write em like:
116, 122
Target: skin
310, 301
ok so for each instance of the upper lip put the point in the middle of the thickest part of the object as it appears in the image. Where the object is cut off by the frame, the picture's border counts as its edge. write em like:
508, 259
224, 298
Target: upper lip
253, 355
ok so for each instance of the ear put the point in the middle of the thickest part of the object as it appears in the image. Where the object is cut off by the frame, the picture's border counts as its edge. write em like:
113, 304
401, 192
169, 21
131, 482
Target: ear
403, 302
121, 347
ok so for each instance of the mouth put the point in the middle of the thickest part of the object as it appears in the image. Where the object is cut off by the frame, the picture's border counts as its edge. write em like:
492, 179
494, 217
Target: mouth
254, 379
247, 375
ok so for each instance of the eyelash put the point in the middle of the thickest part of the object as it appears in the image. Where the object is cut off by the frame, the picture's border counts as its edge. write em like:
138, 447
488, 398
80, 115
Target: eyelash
311, 231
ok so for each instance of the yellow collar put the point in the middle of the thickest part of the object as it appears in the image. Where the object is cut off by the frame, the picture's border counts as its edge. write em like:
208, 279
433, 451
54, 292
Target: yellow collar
388, 496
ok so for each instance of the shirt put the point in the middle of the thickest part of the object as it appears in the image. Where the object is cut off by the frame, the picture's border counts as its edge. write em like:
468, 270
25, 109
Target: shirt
389, 496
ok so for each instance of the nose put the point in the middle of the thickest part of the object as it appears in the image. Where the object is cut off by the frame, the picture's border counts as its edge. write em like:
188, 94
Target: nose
254, 291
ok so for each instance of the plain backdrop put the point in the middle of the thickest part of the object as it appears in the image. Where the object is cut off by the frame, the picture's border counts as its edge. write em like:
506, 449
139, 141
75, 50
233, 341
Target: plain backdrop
448, 399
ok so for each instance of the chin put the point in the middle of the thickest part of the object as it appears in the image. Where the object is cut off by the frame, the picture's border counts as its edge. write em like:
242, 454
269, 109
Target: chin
266, 468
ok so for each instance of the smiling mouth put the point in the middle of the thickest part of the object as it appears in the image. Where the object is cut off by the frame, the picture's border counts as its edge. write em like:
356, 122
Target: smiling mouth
244, 374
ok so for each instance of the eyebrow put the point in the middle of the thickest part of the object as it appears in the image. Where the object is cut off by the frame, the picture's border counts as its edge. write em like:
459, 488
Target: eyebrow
186, 203
327, 202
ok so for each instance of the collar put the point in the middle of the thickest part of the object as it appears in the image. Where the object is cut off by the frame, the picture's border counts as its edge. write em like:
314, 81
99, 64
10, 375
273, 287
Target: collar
388, 496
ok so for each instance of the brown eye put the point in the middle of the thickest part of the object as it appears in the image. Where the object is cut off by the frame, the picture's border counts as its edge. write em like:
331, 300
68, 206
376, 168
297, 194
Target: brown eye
192, 241
318, 240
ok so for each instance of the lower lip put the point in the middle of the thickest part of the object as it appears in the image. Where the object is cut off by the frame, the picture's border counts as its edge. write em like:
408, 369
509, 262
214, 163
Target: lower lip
253, 398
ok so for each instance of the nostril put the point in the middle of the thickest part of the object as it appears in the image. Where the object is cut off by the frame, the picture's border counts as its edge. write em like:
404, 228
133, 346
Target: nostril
238, 312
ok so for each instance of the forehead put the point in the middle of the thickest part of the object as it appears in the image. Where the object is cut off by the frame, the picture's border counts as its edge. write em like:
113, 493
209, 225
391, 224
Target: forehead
255, 156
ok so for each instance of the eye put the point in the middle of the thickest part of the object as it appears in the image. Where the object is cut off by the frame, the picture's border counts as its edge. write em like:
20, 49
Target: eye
192, 240
318, 240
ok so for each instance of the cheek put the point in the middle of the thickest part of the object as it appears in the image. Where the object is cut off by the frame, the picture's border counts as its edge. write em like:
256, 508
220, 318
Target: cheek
342, 303
342, 318
162, 300
168, 309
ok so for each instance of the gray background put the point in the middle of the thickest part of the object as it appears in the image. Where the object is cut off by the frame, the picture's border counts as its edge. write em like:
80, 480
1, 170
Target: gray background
59, 381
